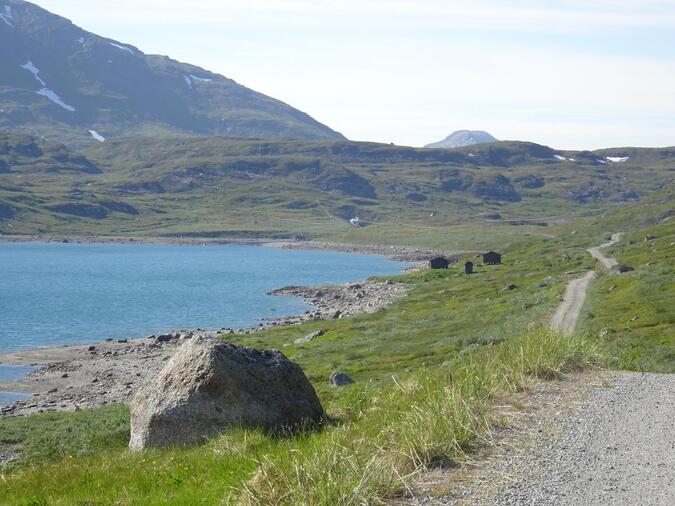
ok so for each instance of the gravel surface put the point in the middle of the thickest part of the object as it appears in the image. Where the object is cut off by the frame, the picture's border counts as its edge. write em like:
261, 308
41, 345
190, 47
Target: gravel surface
617, 449
599, 438
567, 314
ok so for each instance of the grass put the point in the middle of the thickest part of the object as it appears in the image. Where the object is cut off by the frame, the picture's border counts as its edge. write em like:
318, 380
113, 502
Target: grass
633, 313
56, 436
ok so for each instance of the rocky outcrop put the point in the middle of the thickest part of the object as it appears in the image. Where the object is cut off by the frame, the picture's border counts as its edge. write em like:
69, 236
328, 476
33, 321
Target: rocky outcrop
331, 302
209, 386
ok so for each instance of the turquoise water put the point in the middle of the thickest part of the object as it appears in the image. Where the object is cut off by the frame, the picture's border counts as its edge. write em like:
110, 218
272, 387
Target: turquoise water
54, 294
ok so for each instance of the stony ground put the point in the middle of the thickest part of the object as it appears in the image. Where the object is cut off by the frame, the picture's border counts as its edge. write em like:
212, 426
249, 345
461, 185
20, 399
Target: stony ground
616, 448
338, 301
86, 376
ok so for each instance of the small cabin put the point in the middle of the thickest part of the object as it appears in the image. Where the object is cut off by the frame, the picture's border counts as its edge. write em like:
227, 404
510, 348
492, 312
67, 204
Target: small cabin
492, 258
439, 263
468, 268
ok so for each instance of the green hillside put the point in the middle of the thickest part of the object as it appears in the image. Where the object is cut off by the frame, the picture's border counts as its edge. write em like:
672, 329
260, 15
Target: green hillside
237, 188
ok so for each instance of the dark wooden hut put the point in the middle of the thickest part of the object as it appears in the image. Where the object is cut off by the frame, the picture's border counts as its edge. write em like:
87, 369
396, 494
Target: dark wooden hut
439, 263
492, 258
468, 268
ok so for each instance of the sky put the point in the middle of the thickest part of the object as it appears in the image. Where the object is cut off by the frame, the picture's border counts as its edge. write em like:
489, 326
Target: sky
571, 74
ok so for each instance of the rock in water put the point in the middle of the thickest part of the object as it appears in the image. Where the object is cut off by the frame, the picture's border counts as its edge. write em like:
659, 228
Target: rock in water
209, 386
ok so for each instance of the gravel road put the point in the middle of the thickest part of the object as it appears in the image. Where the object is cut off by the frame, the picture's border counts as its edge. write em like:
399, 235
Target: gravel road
617, 448
597, 439
567, 313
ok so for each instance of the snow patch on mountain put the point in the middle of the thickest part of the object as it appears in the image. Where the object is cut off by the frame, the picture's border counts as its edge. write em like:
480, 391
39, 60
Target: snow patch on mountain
33, 70
561, 158
51, 95
123, 48
7, 16
44, 91
618, 159
188, 81
81, 40
97, 136
203, 79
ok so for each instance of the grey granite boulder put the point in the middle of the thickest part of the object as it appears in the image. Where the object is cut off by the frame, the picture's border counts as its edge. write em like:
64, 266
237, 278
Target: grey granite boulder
209, 386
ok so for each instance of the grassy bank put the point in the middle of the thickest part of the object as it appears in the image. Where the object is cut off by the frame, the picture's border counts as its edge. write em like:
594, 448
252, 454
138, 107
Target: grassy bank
379, 437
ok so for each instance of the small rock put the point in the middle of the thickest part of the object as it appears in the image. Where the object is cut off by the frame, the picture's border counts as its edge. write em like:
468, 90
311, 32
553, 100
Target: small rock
64, 375
122, 340
509, 288
338, 379
91, 348
309, 337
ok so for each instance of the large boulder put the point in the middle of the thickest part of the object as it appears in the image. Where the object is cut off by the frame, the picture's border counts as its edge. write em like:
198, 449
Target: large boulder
209, 386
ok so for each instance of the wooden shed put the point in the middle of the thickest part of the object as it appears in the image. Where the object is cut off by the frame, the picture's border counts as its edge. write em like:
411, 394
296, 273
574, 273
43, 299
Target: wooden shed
468, 268
439, 263
492, 258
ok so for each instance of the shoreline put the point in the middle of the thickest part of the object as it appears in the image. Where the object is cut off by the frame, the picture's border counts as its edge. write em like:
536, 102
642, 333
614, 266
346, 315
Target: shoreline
399, 253
82, 376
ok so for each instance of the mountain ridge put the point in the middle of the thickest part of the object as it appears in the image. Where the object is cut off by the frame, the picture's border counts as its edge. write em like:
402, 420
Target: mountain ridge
224, 187
64, 83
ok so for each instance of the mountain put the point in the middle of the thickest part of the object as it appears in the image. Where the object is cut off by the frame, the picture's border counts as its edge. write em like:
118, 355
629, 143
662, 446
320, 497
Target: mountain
462, 138
61, 82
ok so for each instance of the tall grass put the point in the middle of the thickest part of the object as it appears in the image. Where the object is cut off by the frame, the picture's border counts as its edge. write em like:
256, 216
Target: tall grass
430, 419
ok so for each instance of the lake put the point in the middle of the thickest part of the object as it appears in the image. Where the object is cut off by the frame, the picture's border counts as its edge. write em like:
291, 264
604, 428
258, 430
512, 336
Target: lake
53, 294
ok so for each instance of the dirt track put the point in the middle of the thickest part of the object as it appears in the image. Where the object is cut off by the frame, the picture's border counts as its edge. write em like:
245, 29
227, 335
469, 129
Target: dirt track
567, 314
606, 262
